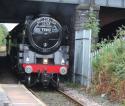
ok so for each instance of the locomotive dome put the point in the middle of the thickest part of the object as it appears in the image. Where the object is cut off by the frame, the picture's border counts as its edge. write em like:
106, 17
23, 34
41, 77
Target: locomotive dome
45, 34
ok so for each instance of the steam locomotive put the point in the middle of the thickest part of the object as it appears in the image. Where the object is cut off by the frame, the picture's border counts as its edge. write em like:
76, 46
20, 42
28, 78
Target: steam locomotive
40, 52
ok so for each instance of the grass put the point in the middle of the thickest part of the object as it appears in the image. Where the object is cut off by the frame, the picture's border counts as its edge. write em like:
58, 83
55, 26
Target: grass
72, 85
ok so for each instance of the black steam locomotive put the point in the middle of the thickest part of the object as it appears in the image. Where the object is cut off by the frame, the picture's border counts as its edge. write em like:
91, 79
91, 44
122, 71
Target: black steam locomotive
40, 54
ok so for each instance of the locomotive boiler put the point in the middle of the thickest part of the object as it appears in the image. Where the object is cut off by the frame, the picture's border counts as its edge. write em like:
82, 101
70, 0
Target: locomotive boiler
41, 54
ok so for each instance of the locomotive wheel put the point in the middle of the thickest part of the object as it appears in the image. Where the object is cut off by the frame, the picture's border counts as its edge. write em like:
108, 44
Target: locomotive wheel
56, 81
29, 81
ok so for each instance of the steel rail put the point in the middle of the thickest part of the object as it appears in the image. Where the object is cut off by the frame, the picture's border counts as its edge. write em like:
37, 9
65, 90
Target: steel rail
64, 94
71, 98
33, 92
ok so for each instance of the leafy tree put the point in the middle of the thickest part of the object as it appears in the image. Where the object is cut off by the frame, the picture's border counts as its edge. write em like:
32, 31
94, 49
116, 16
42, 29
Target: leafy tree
3, 34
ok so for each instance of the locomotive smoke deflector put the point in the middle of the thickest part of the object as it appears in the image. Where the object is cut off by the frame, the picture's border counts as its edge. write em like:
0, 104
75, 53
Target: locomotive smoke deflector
45, 34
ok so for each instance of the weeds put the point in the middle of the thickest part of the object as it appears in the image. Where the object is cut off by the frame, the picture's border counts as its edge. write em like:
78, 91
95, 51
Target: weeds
109, 69
72, 85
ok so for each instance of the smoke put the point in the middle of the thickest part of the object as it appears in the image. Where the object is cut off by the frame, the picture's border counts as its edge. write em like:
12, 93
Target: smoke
60, 11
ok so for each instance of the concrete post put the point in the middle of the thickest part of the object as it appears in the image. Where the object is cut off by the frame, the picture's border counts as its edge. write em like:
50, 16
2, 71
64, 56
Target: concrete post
82, 59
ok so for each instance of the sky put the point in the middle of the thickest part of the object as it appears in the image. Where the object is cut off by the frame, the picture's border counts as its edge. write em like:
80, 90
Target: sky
10, 26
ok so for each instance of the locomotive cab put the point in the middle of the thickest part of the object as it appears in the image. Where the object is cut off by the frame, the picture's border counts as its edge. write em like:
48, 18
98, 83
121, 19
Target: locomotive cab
42, 57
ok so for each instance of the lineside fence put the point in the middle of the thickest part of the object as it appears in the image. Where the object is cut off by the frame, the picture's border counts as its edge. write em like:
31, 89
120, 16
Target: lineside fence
97, 52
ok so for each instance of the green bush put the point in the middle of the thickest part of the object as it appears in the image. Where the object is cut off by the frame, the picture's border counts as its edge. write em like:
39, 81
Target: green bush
111, 58
92, 23
109, 69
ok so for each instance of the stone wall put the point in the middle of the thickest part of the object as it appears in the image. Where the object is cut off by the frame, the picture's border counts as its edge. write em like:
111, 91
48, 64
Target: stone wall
81, 12
80, 19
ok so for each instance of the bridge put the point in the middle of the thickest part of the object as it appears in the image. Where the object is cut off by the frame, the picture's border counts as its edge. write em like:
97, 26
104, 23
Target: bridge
15, 10
116, 3
109, 3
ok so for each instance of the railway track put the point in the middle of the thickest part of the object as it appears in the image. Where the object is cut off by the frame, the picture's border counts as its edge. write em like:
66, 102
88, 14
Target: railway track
51, 99
70, 97
77, 97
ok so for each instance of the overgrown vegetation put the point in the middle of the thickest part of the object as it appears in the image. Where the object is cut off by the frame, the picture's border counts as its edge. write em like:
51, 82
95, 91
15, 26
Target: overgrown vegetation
92, 23
109, 68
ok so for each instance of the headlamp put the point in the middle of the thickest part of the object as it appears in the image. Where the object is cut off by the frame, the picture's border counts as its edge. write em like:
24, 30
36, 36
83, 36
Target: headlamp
45, 61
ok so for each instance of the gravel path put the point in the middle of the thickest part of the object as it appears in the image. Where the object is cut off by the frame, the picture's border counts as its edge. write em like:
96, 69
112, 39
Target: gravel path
90, 100
102, 100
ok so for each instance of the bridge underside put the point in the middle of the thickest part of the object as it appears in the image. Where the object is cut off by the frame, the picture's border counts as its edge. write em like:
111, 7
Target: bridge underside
111, 19
15, 11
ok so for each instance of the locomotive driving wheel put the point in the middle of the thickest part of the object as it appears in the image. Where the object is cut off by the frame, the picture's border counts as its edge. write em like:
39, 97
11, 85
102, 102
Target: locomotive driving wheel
29, 81
56, 81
